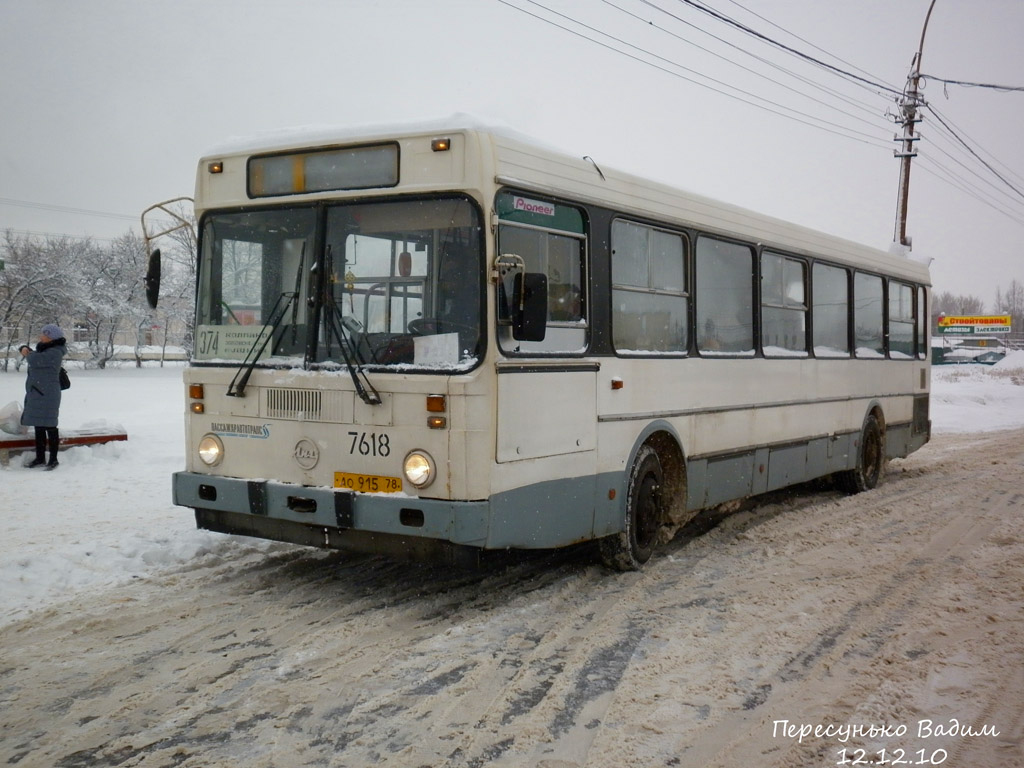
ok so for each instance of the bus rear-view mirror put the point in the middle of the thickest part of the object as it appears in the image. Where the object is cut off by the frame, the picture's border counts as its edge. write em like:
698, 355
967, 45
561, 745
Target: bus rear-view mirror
153, 278
530, 306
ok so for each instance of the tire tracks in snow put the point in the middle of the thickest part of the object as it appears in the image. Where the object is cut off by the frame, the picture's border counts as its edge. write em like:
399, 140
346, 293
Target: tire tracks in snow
307, 659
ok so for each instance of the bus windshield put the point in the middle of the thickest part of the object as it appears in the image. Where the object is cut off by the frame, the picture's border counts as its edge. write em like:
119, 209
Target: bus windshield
387, 284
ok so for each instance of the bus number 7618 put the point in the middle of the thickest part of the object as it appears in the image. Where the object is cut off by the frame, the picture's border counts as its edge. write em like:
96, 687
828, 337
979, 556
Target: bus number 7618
370, 444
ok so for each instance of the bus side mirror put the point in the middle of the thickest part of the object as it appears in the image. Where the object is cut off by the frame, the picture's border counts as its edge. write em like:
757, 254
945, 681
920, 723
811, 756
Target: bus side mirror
530, 306
153, 278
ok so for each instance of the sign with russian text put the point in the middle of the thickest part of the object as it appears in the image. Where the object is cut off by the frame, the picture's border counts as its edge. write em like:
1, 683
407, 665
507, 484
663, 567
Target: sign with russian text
978, 321
971, 324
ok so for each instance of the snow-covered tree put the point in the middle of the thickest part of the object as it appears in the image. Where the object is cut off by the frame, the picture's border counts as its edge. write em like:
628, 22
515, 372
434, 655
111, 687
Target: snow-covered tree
38, 285
1011, 301
946, 303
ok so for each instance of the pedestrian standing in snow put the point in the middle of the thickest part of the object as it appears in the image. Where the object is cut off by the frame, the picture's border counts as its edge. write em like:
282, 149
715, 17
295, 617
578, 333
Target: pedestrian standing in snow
42, 392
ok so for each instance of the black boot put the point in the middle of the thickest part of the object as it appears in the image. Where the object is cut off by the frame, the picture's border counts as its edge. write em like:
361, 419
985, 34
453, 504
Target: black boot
53, 436
40, 448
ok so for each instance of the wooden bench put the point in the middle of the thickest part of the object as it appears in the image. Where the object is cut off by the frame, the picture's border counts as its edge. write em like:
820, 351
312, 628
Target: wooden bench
17, 443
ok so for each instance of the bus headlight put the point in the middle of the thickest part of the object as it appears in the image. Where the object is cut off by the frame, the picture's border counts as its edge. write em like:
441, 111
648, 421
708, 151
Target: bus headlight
419, 469
211, 450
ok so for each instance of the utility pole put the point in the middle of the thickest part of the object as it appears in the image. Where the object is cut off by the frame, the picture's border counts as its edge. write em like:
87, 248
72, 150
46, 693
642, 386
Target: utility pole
909, 105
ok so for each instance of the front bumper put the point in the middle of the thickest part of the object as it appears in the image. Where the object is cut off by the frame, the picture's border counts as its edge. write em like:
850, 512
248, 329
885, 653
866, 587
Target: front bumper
325, 510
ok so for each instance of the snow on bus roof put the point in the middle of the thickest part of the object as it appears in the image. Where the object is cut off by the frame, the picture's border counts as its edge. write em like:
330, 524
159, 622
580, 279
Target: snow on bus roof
762, 226
301, 136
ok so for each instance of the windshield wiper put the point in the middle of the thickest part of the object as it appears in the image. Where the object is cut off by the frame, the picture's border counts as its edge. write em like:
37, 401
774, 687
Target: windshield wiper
298, 289
237, 386
336, 323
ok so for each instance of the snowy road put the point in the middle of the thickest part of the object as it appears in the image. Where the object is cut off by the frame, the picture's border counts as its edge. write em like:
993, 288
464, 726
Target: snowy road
901, 608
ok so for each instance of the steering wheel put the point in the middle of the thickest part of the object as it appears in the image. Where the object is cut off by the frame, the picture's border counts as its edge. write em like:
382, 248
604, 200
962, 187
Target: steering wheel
424, 326
429, 326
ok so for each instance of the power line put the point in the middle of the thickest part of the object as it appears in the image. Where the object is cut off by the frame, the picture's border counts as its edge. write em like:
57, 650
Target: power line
771, 41
64, 209
983, 179
978, 157
944, 124
958, 183
33, 233
996, 194
805, 41
991, 156
967, 84
942, 139
789, 114
790, 73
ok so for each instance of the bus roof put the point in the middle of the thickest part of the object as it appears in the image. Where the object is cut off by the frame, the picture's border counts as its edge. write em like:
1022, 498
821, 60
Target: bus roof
519, 161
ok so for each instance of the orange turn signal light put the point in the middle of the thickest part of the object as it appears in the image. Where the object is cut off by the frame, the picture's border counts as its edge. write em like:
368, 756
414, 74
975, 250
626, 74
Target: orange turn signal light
436, 404
195, 391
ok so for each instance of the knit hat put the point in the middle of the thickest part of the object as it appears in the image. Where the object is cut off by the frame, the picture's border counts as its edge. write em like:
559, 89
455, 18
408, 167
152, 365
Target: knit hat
52, 331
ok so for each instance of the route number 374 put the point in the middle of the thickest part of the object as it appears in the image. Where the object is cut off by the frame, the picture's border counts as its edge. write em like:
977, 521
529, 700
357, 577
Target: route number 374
370, 444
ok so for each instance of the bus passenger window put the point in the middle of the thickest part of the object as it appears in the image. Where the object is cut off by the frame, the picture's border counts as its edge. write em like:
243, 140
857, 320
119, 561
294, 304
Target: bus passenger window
555, 254
901, 321
867, 316
831, 311
649, 299
725, 317
783, 306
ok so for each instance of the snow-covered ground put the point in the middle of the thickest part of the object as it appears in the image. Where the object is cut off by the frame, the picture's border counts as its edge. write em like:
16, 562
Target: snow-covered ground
130, 640
105, 515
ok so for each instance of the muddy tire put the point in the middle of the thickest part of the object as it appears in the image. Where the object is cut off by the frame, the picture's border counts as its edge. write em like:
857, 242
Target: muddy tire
870, 461
629, 549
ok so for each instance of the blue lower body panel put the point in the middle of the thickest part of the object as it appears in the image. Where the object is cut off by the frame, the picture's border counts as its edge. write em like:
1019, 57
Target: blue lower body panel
543, 516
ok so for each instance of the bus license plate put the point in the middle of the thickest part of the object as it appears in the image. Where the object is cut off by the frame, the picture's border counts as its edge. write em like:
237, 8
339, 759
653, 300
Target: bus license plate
367, 483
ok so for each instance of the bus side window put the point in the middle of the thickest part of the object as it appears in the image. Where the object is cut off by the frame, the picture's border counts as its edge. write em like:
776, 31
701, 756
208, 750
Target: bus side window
649, 291
724, 286
783, 306
831, 311
867, 316
560, 258
901, 321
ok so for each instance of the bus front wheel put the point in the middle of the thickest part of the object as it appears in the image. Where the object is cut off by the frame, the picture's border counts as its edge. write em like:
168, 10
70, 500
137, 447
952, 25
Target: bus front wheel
629, 549
870, 460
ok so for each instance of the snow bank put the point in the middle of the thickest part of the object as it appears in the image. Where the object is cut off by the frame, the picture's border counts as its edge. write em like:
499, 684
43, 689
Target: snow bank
105, 514
1014, 361
978, 398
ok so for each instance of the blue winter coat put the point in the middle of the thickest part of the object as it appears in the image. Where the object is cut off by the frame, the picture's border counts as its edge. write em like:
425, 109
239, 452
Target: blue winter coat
42, 387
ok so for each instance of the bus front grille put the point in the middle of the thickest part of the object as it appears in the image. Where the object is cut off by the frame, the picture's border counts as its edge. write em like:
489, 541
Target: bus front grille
300, 404
307, 405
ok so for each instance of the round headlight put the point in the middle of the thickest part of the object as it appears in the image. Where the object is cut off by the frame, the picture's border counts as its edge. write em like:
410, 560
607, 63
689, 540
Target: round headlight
419, 469
211, 450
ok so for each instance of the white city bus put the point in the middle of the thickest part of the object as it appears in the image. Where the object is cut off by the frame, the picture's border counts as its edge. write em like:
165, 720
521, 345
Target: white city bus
444, 339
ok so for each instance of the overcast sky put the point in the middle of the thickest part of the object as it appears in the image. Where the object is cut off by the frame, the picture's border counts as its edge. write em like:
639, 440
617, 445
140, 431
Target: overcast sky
107, 104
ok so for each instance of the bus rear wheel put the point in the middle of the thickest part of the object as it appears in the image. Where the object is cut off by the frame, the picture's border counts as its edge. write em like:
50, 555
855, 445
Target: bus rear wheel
629, 549
870, 460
